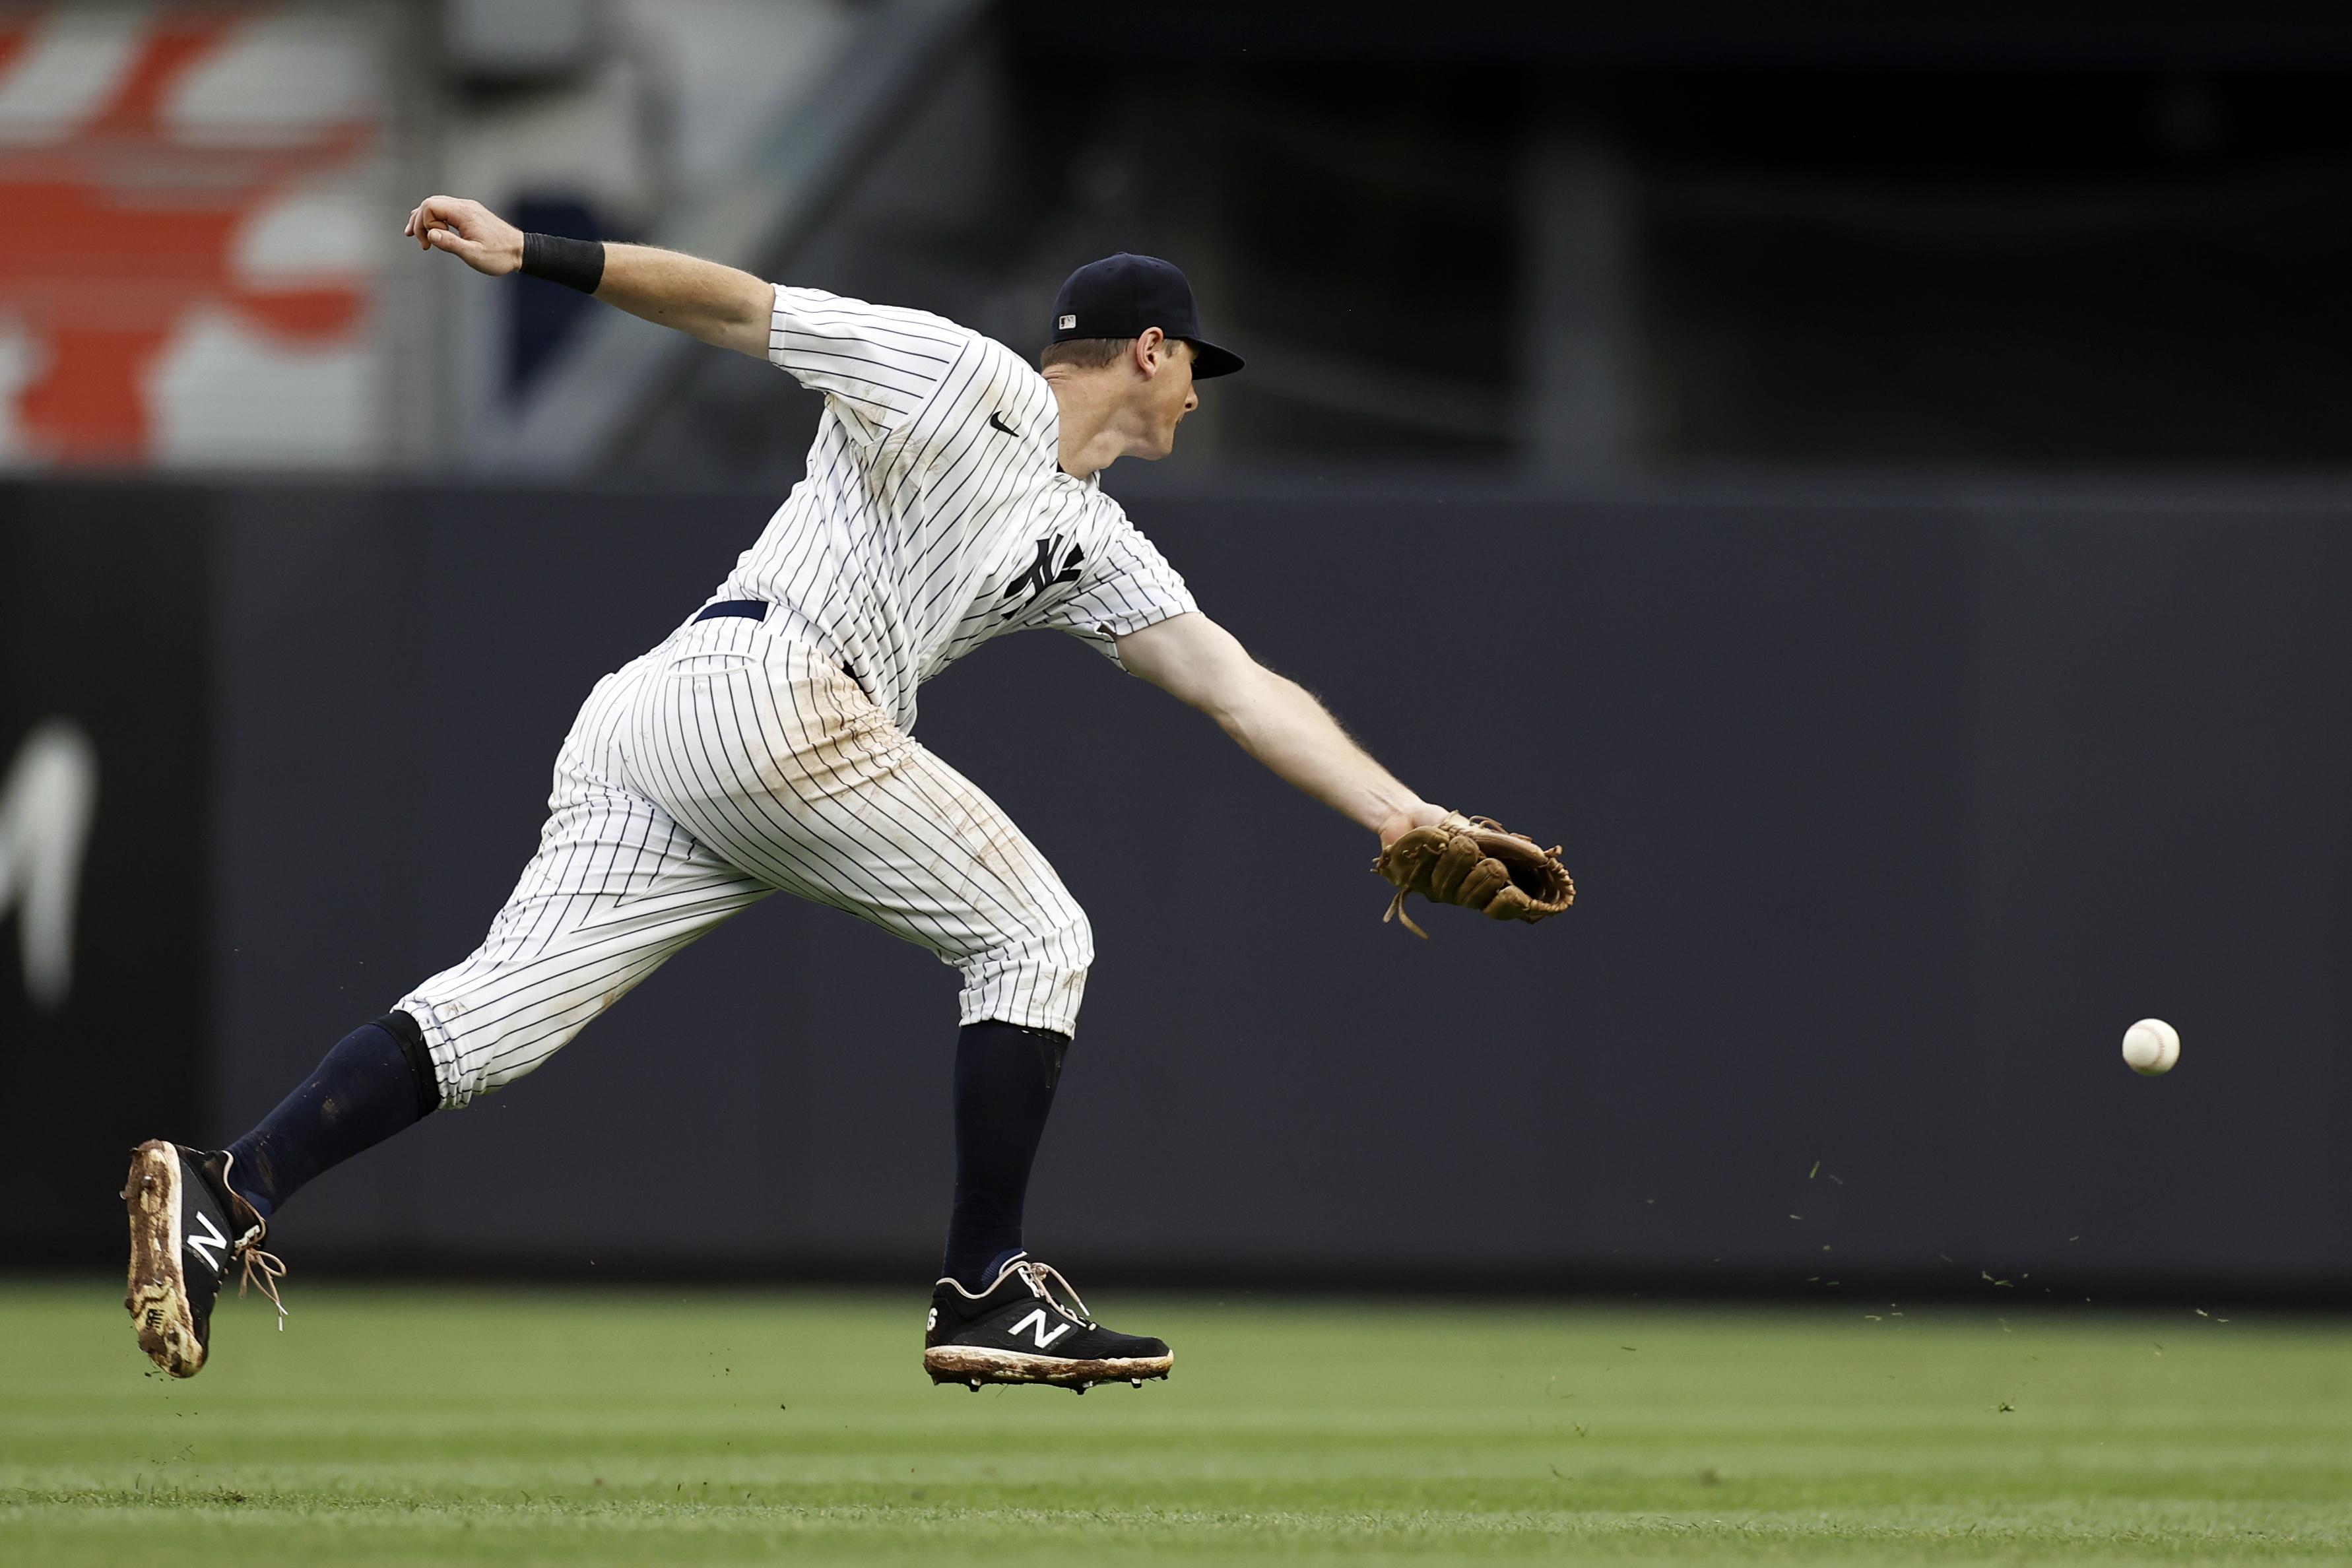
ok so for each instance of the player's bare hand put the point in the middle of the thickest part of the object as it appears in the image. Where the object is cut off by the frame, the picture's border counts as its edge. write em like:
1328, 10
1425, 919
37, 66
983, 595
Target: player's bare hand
1420, 813
469, 231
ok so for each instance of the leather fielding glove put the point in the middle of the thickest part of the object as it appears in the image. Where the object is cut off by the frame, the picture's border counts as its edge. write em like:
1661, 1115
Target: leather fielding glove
1477, 862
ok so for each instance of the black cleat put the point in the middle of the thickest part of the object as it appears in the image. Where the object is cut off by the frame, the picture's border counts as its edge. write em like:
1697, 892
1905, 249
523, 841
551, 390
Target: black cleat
187, 1225
1020, 1331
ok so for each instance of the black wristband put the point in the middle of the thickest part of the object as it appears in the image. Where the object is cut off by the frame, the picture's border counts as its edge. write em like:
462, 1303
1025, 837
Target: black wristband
574, 263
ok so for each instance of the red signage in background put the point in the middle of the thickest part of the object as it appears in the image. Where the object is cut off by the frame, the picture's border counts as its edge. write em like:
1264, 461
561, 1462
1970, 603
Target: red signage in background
130, 220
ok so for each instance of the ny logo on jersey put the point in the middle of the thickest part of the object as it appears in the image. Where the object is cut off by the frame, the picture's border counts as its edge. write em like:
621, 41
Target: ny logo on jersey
1051, 567
1036, 1322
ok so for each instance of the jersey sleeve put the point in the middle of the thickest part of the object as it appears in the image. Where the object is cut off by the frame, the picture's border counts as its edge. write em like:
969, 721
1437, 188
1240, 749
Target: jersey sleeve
1127, 588
876, 364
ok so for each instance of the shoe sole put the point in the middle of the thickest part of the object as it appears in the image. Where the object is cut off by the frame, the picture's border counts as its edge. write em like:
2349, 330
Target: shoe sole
975, 1364
158, 1293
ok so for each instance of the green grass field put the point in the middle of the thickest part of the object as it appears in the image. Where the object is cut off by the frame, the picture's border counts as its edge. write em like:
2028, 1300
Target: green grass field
638, 1426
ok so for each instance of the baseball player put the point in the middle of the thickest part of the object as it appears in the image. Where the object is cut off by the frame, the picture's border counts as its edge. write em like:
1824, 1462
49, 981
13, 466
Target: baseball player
952, 495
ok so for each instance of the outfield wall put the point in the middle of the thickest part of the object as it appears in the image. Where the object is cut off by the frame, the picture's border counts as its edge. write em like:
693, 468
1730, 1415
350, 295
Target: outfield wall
1889, 807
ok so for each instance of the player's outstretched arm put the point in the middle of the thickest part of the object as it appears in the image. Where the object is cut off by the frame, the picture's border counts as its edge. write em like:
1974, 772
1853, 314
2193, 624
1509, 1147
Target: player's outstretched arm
1275, 719
723, 306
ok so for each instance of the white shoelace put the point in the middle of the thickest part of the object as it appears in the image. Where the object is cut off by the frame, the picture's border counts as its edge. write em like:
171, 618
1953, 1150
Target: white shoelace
263, 1269
1038, 1274
248, 1251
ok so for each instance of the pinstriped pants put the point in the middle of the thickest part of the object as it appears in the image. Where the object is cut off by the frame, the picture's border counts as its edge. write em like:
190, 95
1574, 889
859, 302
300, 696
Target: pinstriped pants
726, 764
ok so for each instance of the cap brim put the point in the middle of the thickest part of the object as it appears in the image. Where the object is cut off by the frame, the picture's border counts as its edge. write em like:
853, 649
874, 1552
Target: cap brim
1209, 360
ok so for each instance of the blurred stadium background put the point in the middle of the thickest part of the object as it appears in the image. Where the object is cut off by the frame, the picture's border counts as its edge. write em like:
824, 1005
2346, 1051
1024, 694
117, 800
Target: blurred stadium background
1877, 486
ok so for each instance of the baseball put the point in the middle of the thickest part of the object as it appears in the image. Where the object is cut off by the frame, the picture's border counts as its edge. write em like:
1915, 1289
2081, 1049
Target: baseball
2151, 1046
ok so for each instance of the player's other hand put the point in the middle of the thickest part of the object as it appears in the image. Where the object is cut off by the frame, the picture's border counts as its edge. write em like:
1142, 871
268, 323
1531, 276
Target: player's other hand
1420, 813
469, 231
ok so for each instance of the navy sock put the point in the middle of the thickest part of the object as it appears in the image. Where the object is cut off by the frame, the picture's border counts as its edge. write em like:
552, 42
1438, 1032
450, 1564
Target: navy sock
1005, 1081
378, 1079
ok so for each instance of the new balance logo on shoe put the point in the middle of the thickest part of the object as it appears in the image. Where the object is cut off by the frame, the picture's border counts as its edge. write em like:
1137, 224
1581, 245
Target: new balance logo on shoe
1036, 1322
204, 1245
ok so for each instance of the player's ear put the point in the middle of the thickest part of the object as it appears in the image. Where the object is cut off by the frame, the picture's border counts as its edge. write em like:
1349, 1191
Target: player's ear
1150, 351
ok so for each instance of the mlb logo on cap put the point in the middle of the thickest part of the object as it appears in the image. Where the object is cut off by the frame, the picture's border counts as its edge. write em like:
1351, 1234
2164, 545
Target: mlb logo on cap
1121, 294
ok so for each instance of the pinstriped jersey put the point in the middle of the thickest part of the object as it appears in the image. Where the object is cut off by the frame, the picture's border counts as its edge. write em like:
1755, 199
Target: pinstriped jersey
935, 514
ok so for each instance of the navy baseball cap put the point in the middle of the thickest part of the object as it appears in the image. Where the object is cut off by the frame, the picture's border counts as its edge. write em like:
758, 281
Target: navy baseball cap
1120, 295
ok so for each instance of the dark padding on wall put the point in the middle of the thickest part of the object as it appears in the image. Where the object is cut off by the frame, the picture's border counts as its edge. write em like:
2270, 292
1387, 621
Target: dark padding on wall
1888, 812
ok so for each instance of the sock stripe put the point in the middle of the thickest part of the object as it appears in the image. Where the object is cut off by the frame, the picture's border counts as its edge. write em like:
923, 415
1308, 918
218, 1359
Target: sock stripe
419, 1056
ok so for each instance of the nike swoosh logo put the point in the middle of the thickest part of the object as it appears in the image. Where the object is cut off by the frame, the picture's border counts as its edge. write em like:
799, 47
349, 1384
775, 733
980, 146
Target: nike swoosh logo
998, 420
